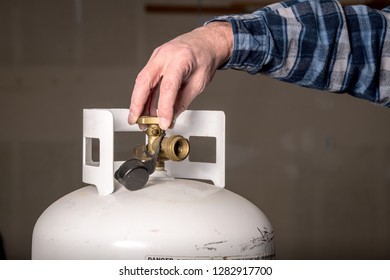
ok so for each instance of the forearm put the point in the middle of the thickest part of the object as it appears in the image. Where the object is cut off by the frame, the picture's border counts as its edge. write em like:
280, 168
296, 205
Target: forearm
316, 44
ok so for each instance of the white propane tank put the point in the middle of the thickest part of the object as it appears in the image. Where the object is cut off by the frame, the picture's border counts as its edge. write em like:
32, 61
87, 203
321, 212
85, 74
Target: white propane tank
166, 219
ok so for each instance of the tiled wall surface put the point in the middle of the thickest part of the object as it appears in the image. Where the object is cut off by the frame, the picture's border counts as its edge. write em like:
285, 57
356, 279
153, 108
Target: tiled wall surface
318, 164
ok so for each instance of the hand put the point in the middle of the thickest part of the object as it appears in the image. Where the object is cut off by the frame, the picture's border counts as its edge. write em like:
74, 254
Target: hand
181, 69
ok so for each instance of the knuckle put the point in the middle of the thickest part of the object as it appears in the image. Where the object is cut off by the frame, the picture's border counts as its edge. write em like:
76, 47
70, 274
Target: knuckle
169, 85
142, 79
185, 56
156, 51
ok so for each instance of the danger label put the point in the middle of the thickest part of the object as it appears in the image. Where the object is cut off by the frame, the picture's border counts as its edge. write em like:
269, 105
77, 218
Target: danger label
244, 257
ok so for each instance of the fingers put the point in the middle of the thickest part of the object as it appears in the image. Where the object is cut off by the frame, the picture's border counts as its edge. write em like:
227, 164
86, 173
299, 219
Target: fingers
177, 88
168, 70
169, 88
142, 97
174, 65
145, 95
150, 108
190, 89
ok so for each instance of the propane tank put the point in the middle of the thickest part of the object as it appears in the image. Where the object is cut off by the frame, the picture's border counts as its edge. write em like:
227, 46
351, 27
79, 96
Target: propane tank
138, 209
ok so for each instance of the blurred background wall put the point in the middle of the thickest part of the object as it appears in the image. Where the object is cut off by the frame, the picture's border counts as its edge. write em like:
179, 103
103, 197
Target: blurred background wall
318, 164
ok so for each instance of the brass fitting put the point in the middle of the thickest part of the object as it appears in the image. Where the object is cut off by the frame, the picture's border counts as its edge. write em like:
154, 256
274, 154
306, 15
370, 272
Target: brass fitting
174, 147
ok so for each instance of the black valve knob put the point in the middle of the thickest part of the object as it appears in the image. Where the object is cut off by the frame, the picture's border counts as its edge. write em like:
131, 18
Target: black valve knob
133, 174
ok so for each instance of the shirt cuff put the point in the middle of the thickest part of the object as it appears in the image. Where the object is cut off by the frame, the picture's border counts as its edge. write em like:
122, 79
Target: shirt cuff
250, 42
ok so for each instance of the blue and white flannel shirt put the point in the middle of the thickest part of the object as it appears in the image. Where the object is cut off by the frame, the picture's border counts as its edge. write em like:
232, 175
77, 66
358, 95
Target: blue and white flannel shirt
318, 44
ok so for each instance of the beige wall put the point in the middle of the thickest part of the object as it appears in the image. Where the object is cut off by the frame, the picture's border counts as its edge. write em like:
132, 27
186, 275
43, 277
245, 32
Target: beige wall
318, 164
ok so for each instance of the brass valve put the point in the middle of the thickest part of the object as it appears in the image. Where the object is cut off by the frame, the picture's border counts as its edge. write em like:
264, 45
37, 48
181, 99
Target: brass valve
175, 147
134, 173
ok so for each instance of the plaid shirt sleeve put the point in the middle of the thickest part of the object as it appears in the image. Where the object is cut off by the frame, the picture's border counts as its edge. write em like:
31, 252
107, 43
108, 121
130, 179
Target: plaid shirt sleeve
318, 44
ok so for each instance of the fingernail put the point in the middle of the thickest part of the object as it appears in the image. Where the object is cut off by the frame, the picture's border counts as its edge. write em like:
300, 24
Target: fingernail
164, 123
